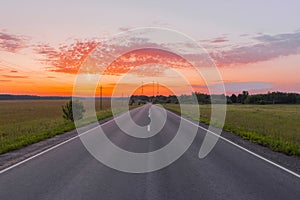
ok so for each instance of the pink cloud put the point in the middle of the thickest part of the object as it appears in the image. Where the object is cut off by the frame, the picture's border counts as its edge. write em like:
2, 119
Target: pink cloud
12, 43
69, 58
66, 59
219, 40
267, 48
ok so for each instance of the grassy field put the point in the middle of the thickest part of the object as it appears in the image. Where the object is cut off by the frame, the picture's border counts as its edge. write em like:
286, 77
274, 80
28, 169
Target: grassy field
275, 126
24, 122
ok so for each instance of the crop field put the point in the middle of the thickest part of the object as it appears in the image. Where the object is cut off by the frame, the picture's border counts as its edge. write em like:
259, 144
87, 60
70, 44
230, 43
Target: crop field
275, 126
24, 122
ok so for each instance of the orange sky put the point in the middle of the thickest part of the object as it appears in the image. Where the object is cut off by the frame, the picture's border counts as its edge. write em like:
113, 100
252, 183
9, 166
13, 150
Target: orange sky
43, 44
44, 81
45, 70
58, 78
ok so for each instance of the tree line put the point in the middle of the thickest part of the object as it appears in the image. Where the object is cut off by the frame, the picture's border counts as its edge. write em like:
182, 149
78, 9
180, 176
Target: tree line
246, 98
268, 98
242, 98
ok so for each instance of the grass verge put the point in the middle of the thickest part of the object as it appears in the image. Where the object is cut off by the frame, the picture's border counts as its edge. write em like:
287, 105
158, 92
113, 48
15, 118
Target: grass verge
24, 122
274, 126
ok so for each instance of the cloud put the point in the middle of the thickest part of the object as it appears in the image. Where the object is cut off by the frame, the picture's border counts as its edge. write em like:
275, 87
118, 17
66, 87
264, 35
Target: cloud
66, 59
153, 62
236, 87
12, 43
244, 35
10, 76
13, 71
267, 48
123, 29
288, 87
69, 58
219, 40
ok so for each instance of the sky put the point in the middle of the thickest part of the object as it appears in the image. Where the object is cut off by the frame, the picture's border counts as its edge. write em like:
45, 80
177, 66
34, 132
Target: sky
254, 44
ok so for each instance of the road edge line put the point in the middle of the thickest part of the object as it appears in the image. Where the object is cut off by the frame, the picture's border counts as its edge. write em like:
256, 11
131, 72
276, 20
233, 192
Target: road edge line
240, 147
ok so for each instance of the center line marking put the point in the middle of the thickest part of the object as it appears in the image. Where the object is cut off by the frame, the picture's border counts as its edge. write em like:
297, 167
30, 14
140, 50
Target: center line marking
148, 127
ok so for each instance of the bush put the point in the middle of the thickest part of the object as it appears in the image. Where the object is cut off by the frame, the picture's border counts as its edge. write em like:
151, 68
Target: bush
73, 110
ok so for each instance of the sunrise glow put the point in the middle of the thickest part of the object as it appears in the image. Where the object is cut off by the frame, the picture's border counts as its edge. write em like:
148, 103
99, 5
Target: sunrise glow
44, 60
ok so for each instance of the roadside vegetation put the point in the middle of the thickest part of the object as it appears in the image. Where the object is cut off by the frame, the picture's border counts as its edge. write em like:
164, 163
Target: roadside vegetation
270, 119
274, 126
24, 122
72, 108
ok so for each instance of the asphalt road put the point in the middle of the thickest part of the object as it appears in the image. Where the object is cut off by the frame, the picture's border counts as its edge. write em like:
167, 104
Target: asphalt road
70, 172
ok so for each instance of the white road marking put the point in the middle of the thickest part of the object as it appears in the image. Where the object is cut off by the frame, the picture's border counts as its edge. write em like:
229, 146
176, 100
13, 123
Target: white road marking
240, 147
148, 127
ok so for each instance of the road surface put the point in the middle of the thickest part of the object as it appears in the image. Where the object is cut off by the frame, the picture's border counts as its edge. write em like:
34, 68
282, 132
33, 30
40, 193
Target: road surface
70, 172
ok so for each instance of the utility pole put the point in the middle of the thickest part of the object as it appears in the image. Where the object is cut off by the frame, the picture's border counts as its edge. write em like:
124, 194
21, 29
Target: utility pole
153, 89
142, 87
157, 88
101, 97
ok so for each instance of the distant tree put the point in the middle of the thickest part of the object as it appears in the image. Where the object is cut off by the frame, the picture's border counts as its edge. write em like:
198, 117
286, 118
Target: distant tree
202, 98
228, 100
242, 97
154, 100
73, 110
233, 98
131, 101
297, 98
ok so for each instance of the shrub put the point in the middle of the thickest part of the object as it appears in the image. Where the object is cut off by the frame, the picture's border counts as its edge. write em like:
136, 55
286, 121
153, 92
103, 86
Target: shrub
73, 110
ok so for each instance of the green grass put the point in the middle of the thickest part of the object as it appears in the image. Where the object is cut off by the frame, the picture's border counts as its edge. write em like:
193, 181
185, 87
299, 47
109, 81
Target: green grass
275, 126
24, 122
